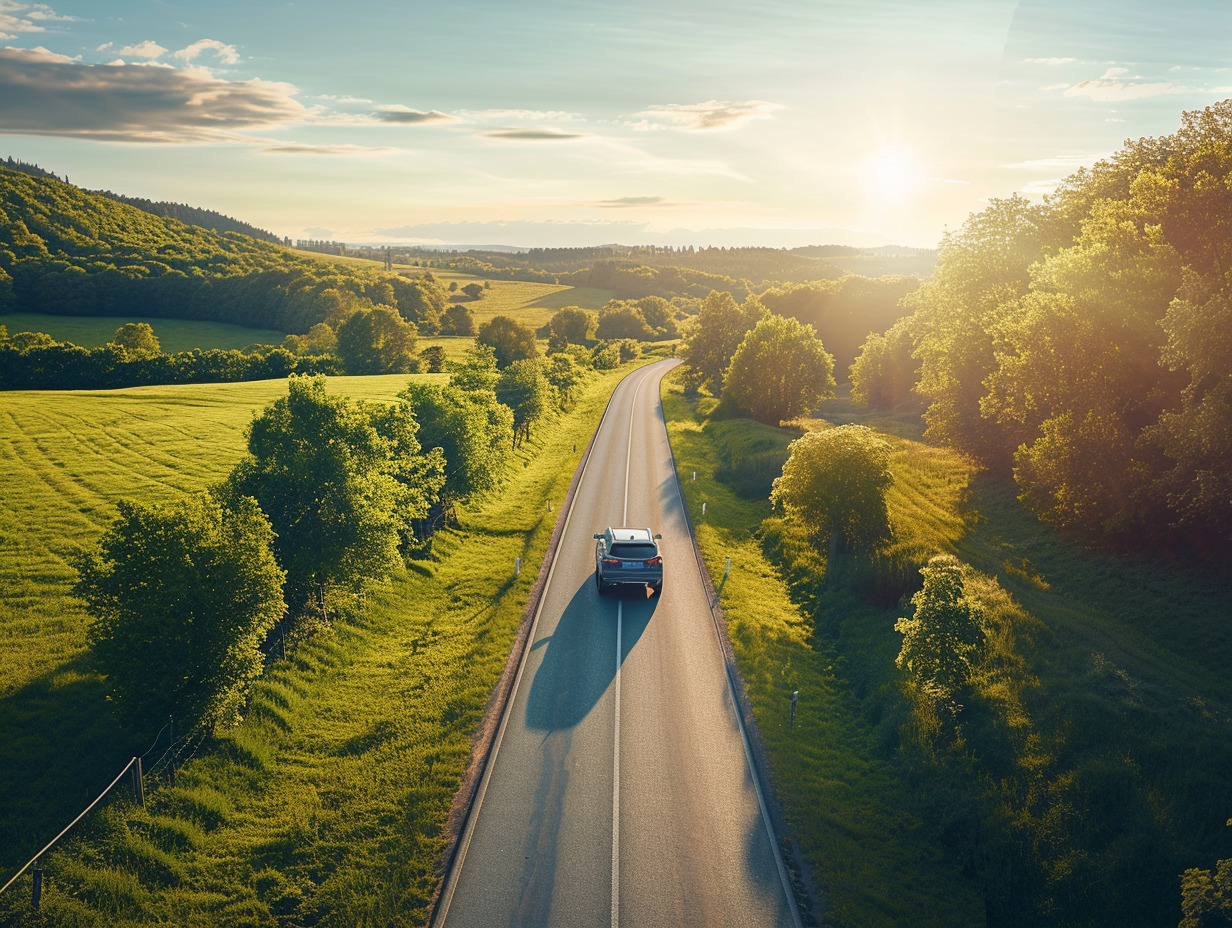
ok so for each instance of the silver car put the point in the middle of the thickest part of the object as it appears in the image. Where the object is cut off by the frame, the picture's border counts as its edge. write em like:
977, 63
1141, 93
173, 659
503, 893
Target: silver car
629, 557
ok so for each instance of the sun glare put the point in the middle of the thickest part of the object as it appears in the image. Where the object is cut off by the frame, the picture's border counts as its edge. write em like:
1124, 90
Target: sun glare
893, 175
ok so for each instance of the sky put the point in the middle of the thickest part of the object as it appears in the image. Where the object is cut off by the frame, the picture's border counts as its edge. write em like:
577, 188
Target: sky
576, 122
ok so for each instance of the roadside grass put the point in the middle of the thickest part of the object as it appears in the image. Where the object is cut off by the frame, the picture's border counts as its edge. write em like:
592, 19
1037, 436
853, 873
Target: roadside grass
326, 805
1090, 761
859, 826
173, 334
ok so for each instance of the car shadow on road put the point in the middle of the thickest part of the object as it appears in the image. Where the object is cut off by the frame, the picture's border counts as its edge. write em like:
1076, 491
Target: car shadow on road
580, 661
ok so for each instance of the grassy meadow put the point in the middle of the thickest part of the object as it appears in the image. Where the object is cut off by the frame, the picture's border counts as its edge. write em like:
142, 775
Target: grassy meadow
327, 804
174, 335
1092, 762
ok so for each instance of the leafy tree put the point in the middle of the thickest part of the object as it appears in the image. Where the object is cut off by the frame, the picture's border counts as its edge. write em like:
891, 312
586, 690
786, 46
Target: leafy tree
714, 334
885, 372
323, 474
573, 324
835, 480
509, 340
981, 269
622, 320
526, 390
433, 359
780, 371
566, 376
943, 638
474, 433
843, 311
1192, 442
320, 339
1206, 896
376, 341
458, 320
182, 597
659, 315
473, 291
137, 339
418, 473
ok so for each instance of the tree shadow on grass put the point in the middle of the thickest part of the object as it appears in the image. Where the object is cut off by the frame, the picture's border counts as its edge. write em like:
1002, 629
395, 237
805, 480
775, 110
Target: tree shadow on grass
62, 747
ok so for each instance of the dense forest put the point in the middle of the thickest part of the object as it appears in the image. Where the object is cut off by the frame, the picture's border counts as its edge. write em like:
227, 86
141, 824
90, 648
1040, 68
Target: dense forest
1083, 341
67, 251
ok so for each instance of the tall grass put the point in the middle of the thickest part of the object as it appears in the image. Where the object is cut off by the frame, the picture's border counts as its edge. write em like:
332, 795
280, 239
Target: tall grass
1089, 761
858, 824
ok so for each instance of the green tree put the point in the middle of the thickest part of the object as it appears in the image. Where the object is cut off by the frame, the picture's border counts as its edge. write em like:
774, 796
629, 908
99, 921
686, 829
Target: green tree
376, 341
981, 270
137, 339
432, 359
622, 320
1206, 896
474, 433
322, 473
509, 340
574, 324
780, 371
473, 291
714, 334
526, 390
885, 372
835, 481
944, 637
566, 376
182, 597
458, 320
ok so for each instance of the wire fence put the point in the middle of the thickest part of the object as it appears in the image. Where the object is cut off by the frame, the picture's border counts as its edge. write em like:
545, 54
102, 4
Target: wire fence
176, 753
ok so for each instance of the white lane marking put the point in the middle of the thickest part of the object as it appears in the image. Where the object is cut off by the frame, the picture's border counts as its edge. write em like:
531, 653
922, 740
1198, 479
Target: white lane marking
441, 914
620, 610
620, 614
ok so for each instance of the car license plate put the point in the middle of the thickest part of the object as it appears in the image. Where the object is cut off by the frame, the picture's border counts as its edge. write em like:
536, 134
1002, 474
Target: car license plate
632, 565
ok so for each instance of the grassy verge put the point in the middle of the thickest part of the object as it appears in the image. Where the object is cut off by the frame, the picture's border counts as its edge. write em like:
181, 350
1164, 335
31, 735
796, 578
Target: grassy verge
1089, 761
858, 825
326, 805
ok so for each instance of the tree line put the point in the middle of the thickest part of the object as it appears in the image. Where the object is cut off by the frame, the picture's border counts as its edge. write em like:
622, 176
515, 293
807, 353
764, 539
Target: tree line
1081, 342
187, 598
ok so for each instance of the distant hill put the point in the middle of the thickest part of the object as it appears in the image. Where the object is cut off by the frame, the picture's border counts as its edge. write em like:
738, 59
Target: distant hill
68, 251
191, 215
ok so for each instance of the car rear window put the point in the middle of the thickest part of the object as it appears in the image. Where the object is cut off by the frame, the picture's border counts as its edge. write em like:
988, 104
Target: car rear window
633, 550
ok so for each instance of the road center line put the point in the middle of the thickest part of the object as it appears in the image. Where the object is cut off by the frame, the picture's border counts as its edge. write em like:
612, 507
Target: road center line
620, 614
616, 781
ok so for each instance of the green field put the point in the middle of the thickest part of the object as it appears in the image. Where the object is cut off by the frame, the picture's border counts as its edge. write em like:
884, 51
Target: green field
173, 334
329, 801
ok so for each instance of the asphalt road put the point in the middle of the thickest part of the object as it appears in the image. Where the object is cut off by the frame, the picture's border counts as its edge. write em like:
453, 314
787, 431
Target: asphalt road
620, 792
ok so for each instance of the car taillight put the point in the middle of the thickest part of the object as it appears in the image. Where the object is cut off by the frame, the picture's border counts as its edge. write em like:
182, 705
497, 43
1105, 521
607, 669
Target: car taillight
610, 560
656, 561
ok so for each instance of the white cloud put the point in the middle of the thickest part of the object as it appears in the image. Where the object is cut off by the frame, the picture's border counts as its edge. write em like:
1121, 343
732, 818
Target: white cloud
1117, 86
532, 135
1051, 62
710, 116
405, 116
295, 148
42, 93
225, 53
16, 18
504, 115
146, 49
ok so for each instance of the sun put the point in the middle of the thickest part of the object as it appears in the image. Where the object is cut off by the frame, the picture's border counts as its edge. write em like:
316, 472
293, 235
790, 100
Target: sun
893, 175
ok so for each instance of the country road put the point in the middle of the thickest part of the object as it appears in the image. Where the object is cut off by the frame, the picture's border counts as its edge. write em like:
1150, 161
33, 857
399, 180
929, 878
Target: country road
620, 792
